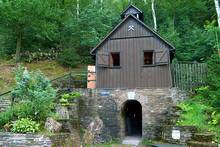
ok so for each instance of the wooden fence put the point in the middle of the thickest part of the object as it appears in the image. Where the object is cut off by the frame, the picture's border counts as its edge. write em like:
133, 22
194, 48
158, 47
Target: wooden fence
188, 76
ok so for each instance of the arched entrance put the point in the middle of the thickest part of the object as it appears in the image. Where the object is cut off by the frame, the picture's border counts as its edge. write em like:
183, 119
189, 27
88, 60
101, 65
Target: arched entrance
132, 114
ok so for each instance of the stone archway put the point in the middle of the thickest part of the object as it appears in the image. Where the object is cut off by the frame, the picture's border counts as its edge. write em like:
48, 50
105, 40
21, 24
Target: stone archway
132, 116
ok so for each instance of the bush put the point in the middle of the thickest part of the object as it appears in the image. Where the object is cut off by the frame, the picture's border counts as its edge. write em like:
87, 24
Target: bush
33, 98
6, 116
85, 60
203, 110
69, 57
25, 125
65, 98
194, 114
40, 55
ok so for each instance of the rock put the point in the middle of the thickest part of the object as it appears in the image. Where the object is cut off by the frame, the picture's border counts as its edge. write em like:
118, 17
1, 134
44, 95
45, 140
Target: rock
203, 137
52, 125
201, 144
96, 126
88, 137
93, 131
62, 112
170, 116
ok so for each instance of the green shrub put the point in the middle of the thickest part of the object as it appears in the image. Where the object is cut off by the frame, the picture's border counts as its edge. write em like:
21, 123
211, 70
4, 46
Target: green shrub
85, 60
146, 142
6, 116
65, 98
39, 55
194, 114
69, 57
203, 110
25, 125
33, 95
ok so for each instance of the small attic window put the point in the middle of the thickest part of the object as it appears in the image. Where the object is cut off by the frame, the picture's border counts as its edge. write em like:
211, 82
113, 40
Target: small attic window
115, 59
148, 57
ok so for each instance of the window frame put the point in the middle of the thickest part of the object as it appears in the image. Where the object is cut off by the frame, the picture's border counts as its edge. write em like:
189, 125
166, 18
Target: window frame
153, 58
111, 65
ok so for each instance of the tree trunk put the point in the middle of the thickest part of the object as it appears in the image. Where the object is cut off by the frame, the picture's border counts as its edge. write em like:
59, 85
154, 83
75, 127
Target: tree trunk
218, 11
101, 1
18, 45
77, 8
154, 15
218, 18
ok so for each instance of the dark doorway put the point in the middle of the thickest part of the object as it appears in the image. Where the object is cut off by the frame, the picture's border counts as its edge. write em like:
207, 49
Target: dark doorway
132, 113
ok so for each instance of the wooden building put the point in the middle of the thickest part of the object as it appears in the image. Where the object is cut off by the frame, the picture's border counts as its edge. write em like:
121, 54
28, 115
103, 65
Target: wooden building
133, 55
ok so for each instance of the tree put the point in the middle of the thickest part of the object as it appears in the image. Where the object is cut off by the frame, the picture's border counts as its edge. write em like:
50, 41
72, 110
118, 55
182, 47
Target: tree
77, 8
218, 18
218, 11
20, 15
91, 26
154, 15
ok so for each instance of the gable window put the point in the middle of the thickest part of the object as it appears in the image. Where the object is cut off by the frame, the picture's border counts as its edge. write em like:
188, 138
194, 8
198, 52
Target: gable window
115, 59
148, 57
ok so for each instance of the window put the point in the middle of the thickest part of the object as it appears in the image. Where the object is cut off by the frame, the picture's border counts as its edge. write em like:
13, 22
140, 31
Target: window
148, 57
115, 59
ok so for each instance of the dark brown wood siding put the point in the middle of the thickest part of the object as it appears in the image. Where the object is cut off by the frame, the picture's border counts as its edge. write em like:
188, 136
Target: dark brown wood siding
132, 73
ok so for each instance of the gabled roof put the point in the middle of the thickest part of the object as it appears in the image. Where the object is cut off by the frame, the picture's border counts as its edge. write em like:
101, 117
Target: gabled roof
144, 25
130, 7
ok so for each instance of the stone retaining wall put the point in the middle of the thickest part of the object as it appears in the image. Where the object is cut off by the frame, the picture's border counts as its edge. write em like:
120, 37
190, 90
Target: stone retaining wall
108, 105
186, 134
4, 104
33, 140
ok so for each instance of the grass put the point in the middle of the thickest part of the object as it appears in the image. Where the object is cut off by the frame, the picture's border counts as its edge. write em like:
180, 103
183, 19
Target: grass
51, 69
109, 145
194, 114
146, 142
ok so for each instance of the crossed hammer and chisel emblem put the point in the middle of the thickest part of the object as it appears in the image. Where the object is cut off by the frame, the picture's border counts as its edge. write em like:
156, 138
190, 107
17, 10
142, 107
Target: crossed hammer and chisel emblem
130, 28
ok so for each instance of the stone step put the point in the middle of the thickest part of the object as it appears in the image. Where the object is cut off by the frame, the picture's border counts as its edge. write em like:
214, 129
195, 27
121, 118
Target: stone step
133, 141
201, 144
203, 137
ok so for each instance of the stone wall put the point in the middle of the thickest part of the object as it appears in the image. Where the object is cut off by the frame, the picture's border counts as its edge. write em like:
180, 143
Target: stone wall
186, 134
24, 140
33, 140
5, 102
108, 105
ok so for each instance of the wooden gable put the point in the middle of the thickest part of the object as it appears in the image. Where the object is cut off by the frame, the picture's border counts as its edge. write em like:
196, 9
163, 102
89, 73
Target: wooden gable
131, 27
